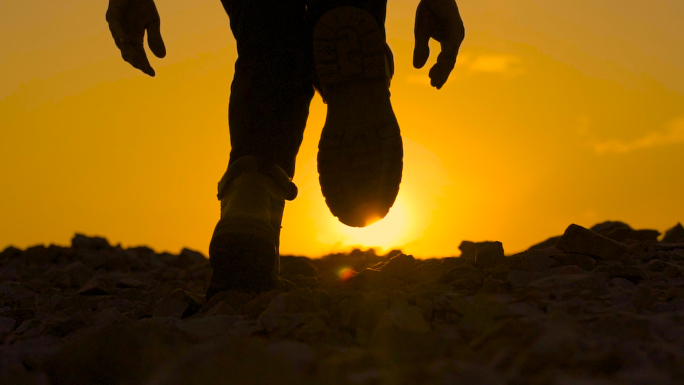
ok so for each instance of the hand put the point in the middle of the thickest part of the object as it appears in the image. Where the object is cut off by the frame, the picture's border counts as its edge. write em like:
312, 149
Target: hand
128, 20
440, 20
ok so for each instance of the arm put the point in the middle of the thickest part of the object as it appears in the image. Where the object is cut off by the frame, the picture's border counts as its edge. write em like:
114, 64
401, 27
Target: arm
440, 20
128, 20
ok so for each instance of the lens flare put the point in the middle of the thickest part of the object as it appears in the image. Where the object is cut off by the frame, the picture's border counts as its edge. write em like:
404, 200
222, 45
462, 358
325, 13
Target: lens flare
345, 273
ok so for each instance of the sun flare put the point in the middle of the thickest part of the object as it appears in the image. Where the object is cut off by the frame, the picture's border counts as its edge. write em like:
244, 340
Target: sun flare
389, 232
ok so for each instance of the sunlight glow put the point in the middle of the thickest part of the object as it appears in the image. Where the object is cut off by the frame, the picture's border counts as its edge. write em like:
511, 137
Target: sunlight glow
389, 232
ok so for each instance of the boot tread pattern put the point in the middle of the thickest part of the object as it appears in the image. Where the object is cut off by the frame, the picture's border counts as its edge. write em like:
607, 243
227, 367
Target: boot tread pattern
360, 151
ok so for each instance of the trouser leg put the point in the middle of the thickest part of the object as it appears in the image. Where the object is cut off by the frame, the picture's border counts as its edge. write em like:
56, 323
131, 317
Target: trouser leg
272, 87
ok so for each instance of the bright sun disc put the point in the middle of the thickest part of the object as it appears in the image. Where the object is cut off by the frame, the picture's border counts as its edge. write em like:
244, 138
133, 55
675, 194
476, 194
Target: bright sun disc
385, 233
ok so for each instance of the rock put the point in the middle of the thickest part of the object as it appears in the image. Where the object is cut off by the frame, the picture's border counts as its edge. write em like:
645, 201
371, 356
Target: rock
110, 317
9, 253
297, 265
674, 235
179, 304
129, 282
489, 254
571, 282
551, 242
170, 307
642, 298
95, 286
299, 354
208, 328
644, 236
537, 261
399, 265
585, 262
38, 255
295, 315
451, 262
6, 325
607, 227
631, 273
73, 275
521, 278
123, 353
463, 277
189, 257
578, 240
371, 279
83, 241
428, 272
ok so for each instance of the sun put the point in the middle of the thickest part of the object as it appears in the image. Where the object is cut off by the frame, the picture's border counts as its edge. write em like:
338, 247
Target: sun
387, 233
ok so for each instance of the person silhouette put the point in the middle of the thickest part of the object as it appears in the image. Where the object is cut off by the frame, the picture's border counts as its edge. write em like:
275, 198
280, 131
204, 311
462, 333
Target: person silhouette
287, 50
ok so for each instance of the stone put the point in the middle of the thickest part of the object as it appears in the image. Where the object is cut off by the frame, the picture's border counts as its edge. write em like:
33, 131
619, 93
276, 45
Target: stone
179, 304
674, 235
537, 261
606, 227
428, 272
372, 279
578, 240
293, 266
489, 254
7, 325
296, 315
95, 286
584, 262
521, 278
110, 317
185, 259
299, 354
571, 282
73, 275
38, 255
83, 241
630, 273
551, 242
208, 328
644, 236
399, 265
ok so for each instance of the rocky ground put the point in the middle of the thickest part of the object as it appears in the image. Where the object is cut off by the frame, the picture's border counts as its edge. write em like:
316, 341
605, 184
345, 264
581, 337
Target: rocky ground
594, 306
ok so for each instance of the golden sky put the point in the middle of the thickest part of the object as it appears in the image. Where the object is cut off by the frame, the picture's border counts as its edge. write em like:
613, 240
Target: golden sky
556, 113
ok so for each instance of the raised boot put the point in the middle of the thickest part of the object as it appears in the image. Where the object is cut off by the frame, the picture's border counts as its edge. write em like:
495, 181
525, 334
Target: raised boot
244, 247
360, 152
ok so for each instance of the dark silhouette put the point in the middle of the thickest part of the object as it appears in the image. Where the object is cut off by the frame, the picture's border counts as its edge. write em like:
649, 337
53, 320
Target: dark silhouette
286, 50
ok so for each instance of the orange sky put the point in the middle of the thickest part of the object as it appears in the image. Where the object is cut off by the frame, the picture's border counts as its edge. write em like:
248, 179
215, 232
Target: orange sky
557, 113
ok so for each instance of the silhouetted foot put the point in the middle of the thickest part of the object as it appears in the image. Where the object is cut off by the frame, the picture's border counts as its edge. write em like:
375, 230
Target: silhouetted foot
244, 247
360, 151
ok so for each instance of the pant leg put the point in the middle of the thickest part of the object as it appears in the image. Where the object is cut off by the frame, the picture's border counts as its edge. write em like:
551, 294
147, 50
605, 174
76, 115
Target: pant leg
272, 87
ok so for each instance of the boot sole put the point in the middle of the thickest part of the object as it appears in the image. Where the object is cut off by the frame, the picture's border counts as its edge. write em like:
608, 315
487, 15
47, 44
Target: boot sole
360, 152
242, 261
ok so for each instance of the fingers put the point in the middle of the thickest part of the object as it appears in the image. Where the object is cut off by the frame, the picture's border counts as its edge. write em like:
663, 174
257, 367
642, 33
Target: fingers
421, 32
154, 39
421, 51
135, 55
127, 23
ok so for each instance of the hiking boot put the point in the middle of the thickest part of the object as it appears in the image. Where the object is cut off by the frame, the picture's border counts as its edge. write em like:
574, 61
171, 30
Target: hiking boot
360, 152
244, 247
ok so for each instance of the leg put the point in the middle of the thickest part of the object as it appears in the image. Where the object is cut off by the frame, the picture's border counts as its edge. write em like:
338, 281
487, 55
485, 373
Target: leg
272, 87
269, 105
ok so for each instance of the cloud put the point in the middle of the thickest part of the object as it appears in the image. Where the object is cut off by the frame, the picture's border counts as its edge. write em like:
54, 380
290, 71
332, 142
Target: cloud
492, 63
673, 133
495, 63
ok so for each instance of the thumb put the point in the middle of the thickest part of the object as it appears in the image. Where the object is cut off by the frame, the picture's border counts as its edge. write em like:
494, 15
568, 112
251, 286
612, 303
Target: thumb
421, 51
154, 39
